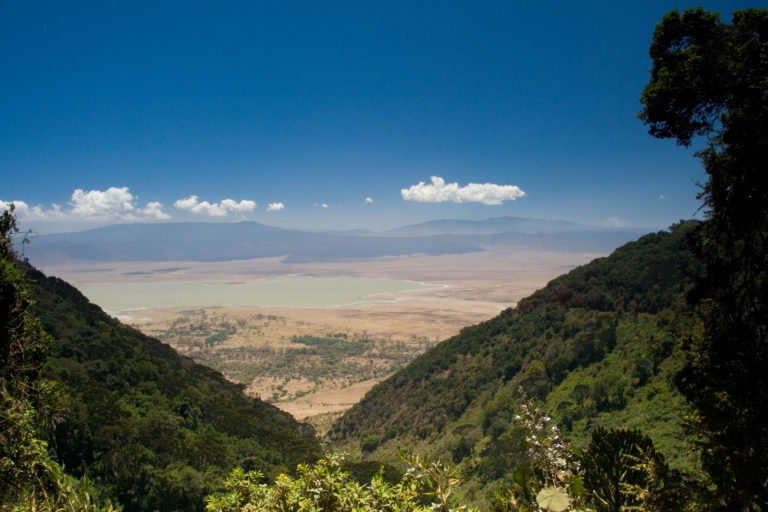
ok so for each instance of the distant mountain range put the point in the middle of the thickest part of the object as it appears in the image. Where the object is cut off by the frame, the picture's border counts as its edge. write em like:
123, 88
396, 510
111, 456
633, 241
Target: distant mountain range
494, 225
246, 240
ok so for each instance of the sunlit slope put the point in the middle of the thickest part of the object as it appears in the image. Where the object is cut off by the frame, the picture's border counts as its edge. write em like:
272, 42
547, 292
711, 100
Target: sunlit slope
152, 429
600, 345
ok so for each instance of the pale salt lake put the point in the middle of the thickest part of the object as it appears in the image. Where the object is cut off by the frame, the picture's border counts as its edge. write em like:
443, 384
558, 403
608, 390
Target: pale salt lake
288, 292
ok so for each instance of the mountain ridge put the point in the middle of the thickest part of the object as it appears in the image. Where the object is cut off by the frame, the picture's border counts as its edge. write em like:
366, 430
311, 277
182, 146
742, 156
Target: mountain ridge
201, 241
493, 225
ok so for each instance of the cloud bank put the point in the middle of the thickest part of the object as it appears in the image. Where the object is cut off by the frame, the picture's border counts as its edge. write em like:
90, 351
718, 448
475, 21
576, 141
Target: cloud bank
24, 211
439, 192
116, 204
221, 209
275, 207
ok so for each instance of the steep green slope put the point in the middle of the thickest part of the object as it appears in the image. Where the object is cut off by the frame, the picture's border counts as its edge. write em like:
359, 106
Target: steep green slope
152, 429
600, 346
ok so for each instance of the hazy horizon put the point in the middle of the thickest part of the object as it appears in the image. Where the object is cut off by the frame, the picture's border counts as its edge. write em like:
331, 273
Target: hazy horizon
75, 227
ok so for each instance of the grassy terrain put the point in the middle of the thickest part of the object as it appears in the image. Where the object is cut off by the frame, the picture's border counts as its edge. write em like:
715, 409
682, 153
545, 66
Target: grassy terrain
259, 350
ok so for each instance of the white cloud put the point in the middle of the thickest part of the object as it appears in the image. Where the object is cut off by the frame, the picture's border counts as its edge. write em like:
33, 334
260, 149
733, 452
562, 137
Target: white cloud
221, 209
439, 191
368, 200
275, 207
154, 210
206, 208
662, 196
614, 222
245, 205
26, 212
116, 204
112, 202
186, 204
6, 205
324, 205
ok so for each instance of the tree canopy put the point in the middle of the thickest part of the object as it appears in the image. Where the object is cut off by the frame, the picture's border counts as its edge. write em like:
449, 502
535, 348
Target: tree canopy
710, 79
23, 348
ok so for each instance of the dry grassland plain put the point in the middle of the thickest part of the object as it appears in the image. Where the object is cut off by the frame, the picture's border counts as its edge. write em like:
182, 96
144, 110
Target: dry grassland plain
316, 362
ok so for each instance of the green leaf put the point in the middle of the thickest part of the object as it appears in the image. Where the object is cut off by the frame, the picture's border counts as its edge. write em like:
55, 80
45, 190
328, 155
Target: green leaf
522, 474
554, 499
577, 485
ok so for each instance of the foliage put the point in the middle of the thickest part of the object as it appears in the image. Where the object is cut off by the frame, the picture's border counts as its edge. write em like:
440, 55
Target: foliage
553, 499
23, 346
623, 471
434, 479
68, 494
29, 479
8, 228
597, 345
369, 442
710, 78
152, 429
23, 343
23, 457
609, 466
632, 387
9, 231
326, 486
548, 478
663, 488
619, 470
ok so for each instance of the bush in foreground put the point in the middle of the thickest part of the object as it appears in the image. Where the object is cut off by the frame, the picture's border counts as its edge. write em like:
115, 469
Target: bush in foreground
326, 486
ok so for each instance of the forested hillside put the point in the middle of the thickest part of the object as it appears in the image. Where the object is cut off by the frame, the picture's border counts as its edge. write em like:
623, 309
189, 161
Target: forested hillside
599, 346
152, 430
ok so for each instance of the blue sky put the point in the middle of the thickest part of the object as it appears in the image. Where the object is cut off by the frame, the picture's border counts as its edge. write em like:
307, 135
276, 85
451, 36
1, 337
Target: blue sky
328, 115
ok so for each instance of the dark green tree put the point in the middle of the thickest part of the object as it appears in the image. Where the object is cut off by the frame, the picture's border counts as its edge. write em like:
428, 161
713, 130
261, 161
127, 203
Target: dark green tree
23, 343
710, 79
29, 479
24, 462
23, 349
608, 465
623, 471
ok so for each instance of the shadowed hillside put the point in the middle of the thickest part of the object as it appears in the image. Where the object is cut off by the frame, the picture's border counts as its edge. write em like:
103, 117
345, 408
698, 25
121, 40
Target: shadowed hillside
153, 430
